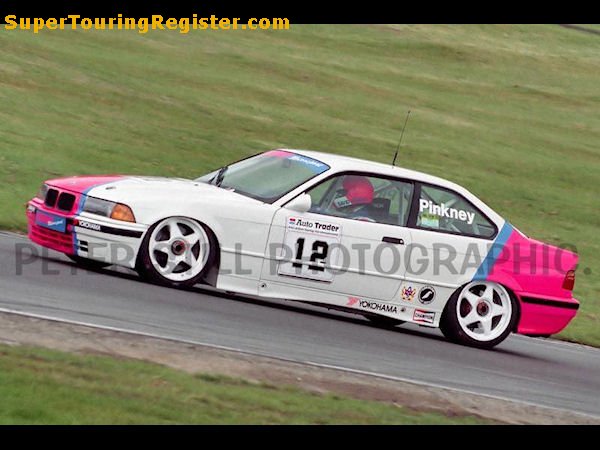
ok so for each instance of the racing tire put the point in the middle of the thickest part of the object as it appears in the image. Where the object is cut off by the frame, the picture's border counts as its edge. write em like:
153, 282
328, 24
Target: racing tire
383, 321
481, 314
86, 263
176, 252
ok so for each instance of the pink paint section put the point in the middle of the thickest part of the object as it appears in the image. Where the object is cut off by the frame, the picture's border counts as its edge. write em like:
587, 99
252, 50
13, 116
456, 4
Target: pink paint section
54, 240
543, 320
279, 154
534, 269
81, 184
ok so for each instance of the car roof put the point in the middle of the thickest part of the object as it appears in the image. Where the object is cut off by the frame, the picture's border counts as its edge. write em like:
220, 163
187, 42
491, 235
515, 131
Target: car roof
345, 163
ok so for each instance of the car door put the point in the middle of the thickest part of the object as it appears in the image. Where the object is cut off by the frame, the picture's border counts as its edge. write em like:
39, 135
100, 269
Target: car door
352, 241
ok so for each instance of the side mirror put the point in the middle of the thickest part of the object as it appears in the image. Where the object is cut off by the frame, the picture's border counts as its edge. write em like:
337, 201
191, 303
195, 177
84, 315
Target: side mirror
300, 204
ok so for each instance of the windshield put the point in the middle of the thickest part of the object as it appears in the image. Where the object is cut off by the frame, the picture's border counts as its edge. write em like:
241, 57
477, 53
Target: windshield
268, 176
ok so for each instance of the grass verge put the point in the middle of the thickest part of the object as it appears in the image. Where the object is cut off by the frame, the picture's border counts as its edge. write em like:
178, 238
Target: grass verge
39, 386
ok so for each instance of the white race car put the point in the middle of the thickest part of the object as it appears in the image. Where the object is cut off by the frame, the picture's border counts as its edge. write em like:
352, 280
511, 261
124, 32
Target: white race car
392, 244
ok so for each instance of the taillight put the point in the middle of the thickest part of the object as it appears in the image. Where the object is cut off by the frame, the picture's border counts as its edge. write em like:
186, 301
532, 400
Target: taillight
569, 282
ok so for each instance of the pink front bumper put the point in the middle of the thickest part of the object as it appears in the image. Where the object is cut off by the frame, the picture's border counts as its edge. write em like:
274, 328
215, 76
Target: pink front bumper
54, 240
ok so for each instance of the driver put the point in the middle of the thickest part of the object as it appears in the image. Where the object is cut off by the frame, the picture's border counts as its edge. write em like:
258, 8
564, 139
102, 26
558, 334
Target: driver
355, 197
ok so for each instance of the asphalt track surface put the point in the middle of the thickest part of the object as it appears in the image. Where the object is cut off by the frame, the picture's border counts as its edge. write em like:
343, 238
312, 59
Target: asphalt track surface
538, 371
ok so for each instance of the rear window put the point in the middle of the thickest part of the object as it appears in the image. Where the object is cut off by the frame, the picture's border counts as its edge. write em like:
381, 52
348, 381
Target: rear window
447, 211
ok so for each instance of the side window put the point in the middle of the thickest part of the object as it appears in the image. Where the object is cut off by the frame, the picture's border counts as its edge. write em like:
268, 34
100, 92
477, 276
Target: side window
444, 210
362, 197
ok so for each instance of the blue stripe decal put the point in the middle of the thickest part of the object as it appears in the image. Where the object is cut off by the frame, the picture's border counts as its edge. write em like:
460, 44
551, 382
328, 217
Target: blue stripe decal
495, 250
82, 200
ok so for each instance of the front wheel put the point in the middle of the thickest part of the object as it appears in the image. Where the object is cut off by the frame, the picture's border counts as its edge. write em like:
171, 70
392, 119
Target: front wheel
482, 314
175, 252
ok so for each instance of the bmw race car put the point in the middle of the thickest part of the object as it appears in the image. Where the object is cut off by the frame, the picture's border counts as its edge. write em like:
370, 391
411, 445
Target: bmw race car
391, 244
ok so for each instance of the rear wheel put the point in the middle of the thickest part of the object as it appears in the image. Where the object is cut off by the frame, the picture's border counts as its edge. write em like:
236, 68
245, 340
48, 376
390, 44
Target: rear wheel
175, 252
481, 314
87, 263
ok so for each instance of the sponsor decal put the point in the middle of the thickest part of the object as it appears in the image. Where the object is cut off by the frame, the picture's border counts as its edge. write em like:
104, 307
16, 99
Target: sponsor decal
352, 301
423, 316
106, 229
341, 202
408, 293
372, 306
426, 295
313, 164
313, 226
429, 220
317, 166
51, 221
89, 225
442, 210
364, 304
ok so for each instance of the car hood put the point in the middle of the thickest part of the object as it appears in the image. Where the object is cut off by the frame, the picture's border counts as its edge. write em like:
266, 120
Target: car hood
141, 190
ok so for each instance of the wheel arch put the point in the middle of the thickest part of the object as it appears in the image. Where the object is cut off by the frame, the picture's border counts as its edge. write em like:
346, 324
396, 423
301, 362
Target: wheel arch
511, 285
215, 256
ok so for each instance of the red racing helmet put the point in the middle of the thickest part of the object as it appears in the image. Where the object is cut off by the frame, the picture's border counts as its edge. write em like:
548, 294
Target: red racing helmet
358, 191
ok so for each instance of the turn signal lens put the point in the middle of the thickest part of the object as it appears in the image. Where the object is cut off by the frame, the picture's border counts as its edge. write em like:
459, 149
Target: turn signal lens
569, 282
122, 212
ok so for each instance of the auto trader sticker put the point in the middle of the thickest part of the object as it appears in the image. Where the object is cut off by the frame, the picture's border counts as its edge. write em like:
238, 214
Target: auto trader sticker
423, 316
309, 247
442, 210
313, 226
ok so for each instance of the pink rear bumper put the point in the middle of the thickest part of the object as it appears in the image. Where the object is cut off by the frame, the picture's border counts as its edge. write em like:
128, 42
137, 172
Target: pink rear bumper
545, 316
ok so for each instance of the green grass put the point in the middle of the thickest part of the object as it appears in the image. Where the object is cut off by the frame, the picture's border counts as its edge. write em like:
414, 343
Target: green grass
510, 112
40, 386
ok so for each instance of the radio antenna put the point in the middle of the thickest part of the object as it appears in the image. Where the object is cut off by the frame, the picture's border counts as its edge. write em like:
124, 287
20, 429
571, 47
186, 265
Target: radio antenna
401, 136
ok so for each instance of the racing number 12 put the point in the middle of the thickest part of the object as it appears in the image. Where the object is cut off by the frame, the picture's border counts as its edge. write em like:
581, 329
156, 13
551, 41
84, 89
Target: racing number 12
319, 252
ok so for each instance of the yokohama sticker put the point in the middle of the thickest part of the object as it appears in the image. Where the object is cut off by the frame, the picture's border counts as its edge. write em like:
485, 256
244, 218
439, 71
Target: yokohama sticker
371, 306
423, 316
89, 225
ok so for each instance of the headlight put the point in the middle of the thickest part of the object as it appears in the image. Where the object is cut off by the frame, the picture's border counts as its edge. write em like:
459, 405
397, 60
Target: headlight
105, 208
42, 192
98, 206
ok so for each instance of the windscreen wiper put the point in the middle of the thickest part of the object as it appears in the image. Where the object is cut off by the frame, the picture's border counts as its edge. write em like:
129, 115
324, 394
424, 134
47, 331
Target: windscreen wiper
220, 175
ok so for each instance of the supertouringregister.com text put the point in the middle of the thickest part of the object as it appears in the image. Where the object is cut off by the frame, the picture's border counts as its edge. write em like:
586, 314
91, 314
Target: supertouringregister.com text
143, 25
